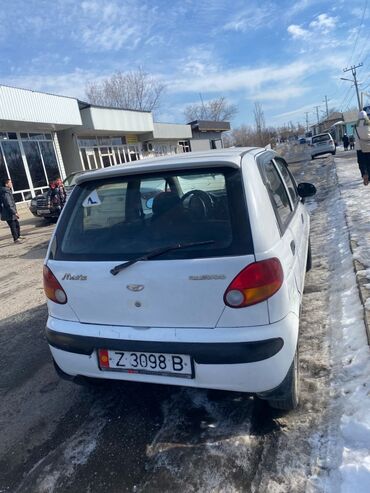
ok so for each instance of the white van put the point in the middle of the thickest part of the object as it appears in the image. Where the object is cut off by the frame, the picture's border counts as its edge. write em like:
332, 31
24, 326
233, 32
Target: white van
183, 270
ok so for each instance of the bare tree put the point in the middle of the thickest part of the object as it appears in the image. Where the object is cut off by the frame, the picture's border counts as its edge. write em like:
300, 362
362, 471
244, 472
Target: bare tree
135, 90
218, 110
263, 136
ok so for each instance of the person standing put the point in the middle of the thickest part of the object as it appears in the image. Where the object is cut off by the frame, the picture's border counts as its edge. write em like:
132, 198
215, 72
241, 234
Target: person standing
351, 142
9, 210
345, 141
362, 131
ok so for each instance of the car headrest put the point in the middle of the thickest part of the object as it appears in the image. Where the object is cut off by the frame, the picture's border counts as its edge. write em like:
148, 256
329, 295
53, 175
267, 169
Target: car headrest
165, 202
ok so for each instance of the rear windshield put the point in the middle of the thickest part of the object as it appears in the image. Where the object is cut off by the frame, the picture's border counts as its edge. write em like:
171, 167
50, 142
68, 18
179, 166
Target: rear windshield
125, 217
321, 138
71, 179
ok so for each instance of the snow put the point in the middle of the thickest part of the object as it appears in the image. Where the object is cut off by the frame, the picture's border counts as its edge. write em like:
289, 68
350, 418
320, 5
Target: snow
351, 355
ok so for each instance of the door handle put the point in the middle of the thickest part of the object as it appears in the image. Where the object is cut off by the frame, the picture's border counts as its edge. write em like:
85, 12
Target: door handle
302, 218
292, 246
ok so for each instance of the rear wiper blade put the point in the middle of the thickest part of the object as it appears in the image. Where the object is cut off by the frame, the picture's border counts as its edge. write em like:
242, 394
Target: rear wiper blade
156, 253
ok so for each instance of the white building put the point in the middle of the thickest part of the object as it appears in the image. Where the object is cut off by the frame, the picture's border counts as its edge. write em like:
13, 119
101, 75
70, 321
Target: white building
44, 136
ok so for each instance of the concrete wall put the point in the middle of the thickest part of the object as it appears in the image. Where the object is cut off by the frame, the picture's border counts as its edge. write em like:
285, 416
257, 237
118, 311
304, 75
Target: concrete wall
172, 131
116, 120
200, 145
206, 135
70, 151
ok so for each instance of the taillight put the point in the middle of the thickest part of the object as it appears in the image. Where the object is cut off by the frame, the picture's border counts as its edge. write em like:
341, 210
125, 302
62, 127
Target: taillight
255, 283
52, 288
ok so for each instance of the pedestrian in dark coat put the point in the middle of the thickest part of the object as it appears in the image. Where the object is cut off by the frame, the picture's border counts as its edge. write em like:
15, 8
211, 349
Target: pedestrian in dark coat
351, 142
9, 210
345, 140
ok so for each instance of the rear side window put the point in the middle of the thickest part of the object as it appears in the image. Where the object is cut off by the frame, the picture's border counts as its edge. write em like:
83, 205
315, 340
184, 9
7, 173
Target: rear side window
277, 192
130, 216
288, 179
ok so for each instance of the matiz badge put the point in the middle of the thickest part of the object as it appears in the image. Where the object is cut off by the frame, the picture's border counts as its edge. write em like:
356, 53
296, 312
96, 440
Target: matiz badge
69, 277
135, 287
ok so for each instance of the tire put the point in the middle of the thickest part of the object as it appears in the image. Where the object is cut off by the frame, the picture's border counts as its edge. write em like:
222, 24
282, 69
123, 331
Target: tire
309, 257
286, 396
333, 153
312, 158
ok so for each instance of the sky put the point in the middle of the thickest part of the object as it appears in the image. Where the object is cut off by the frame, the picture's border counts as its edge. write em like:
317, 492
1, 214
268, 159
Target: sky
286, 55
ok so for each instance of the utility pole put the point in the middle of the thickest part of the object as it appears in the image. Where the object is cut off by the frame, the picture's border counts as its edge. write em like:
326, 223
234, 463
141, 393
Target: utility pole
306, 113
354, 74
317, 114
326, 104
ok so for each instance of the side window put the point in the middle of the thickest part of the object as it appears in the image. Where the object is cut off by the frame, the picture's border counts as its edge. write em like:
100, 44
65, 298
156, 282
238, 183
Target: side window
289, 180
277, 192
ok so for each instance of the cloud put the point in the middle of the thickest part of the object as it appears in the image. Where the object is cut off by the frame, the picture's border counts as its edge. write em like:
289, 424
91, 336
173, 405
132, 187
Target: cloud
249, 80
66, 84
324, 23
252, 18
318, 35
298, 32
280, 93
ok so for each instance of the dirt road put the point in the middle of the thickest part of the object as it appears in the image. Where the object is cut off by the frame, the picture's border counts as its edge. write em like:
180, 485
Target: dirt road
59, 437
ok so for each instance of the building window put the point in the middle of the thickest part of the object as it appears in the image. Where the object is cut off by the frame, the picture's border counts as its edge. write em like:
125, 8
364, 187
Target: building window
50, 160
185, 144
13, 158
33, 156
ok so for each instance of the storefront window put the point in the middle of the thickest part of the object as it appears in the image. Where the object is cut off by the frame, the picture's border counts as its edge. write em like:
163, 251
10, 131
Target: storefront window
3, 172
35, 166
15, 164
50, 160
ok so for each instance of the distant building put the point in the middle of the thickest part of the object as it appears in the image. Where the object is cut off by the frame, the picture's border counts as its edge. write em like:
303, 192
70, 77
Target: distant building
207, 134
45, 136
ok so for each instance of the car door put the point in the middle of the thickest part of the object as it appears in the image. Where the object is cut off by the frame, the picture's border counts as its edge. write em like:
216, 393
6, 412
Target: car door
286, 249
299, 222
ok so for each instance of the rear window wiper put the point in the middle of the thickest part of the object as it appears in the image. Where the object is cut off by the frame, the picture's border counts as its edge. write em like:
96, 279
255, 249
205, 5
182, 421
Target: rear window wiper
157, 252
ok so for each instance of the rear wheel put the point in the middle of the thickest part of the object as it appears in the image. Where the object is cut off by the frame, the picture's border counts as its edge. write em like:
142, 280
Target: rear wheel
286, 396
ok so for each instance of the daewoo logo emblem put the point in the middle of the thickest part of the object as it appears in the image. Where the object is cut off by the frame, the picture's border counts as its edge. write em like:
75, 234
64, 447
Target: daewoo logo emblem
135, 287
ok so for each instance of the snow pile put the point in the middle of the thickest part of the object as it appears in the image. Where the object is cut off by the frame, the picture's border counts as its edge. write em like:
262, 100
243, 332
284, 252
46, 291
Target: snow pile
352, 372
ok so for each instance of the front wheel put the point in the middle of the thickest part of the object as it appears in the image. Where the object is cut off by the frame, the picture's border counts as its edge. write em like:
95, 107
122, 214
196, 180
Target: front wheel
286, 396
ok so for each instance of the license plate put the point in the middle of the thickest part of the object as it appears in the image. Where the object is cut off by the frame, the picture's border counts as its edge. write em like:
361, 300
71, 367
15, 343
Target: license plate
43, 213
172, 365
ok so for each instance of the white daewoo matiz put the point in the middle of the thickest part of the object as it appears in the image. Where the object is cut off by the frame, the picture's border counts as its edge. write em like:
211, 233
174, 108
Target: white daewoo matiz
183, 270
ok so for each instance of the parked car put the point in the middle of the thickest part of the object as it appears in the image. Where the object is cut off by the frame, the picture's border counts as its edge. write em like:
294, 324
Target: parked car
40, 206
322, 144
202, 287
302, 140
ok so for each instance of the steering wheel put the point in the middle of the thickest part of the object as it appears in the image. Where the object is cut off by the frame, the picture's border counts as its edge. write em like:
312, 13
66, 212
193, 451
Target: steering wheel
200, 203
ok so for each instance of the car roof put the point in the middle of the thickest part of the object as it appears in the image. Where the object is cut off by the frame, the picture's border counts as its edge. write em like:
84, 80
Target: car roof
230, 156
320, 135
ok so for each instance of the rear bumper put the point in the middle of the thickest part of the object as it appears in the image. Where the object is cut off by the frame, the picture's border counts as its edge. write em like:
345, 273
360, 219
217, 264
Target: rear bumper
243, 359
206, 353
319, 152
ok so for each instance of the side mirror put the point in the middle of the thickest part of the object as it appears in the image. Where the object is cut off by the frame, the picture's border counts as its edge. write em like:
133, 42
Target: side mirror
306, 190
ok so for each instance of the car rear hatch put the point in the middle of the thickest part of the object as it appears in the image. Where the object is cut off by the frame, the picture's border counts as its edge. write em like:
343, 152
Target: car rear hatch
154, 249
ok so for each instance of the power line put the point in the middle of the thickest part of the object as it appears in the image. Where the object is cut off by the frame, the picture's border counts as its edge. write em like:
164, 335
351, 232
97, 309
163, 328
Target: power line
359, 31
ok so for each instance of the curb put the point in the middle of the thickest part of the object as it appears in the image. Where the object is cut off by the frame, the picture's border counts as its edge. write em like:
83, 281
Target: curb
362, 280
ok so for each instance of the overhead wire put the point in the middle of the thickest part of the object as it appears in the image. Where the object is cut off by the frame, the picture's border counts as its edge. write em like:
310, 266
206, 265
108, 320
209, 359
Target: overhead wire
359, 29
